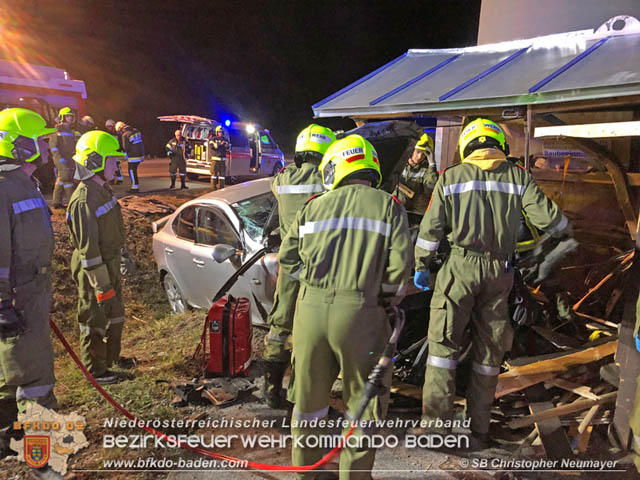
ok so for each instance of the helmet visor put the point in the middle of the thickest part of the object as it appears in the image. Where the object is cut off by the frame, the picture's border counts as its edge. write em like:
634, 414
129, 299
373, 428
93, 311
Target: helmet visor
25, 148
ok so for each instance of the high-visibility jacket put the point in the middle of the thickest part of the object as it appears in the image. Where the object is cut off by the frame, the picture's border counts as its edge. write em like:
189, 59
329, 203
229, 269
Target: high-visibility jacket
292, 187
132, 145
477, 204
176, 149
421, 179
95, 223
26, 235
367, 234
63, 145
218, 147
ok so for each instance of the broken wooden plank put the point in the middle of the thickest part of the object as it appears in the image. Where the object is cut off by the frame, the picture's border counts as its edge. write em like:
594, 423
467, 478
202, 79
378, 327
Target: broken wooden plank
621, 266
507, 385
560, 364
582, 390
627, 357
596, 319
613, 301
585, 428
552, 435
573, 407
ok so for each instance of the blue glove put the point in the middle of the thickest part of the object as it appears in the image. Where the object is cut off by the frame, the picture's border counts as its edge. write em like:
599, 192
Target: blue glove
638, 342
421, 280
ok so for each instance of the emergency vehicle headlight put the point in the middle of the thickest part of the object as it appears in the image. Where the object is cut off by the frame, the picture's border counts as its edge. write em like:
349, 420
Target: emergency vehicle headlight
251, 129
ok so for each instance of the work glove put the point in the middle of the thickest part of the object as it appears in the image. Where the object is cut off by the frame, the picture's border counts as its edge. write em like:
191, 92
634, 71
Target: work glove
421, 280
127, 267
638, 342
11, 322
560, 251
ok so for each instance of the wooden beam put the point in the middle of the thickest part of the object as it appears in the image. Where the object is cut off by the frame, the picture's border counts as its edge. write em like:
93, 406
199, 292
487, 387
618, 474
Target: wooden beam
567, 409
582, 390
507, 385
610, 163
627, 357
562, 363
633, 179
554, 438
627, 258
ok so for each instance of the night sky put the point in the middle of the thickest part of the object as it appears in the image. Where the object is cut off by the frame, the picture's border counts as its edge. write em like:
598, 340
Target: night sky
259, 61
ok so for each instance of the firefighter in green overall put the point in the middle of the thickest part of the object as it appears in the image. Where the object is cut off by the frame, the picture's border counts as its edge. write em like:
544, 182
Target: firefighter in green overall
350, 248
26, 240
97, 233
477, 205
418, 177
63, 145
291, 187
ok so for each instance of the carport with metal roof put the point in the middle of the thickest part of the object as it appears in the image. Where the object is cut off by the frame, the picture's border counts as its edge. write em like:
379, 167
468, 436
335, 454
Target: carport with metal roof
527, 82
576, 77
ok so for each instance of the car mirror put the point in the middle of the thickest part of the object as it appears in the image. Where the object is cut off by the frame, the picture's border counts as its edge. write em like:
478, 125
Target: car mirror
223, 252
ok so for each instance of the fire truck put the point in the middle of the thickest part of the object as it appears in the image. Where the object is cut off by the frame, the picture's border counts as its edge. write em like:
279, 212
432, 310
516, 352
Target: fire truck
42, 89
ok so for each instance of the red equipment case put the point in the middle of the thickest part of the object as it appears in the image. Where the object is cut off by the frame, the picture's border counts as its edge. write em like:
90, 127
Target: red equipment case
228, 324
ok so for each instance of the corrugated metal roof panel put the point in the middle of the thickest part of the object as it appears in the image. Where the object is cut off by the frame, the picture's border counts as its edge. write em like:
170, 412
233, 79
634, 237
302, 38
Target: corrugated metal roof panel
565, 67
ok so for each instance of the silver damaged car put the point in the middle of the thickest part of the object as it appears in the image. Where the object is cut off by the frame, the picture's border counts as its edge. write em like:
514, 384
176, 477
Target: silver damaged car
206, 240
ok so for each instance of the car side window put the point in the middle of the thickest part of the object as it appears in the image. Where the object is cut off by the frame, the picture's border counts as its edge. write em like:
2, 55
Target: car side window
185, 223
214, 229
238, 138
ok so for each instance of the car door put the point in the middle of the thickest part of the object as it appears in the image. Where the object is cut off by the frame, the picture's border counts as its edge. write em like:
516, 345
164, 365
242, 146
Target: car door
269, 154
240, 156
212, 228
177, 249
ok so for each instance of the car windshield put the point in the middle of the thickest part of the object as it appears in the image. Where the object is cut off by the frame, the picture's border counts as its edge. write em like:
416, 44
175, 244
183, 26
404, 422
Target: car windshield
254, 213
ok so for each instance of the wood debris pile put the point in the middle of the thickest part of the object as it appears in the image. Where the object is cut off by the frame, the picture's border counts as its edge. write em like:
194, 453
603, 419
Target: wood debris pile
137, 206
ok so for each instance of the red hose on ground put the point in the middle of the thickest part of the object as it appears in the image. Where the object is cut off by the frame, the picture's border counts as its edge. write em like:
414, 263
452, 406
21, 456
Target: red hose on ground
202, 451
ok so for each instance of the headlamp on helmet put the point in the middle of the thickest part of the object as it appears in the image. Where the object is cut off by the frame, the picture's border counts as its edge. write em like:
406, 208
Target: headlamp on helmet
349, 157
481, 133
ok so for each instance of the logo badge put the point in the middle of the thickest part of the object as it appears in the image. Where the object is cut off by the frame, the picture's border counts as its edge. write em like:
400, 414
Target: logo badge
215, 326
36, 450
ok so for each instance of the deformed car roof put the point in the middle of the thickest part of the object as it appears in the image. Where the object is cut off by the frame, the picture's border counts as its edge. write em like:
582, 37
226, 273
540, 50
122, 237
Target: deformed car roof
563, 67
236, 193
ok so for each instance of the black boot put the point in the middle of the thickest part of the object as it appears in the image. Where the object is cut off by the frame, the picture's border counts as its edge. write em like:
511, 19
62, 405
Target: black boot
8, 415
273, 374
183, 182
173, 182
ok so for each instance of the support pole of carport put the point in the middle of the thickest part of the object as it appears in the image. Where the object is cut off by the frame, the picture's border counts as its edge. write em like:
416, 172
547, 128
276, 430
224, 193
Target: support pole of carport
527, 137
627, 357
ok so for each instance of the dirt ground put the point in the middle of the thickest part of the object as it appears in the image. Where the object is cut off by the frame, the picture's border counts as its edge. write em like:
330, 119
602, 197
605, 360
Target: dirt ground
163, 345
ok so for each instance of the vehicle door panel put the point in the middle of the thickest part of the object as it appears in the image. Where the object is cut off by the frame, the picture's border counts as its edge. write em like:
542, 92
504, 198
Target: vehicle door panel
268, 152
178, 251
213, 228
240, 156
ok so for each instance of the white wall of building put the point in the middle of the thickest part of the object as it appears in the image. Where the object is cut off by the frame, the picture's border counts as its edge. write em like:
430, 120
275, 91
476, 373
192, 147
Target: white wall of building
502, 20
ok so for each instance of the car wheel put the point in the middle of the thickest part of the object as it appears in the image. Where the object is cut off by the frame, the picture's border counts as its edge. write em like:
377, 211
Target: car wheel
276, 168
174, 295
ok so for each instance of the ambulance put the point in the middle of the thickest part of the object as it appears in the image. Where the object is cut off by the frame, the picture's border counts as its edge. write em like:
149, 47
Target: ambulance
253, 154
